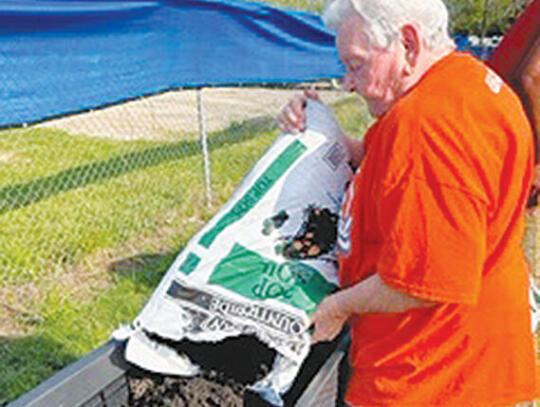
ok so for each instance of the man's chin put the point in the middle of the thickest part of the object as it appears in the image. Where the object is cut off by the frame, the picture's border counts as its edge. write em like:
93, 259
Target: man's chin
376, 110
377, 107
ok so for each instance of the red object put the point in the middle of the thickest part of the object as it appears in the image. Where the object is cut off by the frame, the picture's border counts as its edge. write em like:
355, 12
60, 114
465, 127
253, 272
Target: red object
519, 55
516, 44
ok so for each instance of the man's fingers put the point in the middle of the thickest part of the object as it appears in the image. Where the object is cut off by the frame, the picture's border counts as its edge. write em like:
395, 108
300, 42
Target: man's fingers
314, 327
311, 94
326, 325
315, 338
320, 336
282, 124
319, 327
295, 112
317, 335
324, 333
287, 121
292, 117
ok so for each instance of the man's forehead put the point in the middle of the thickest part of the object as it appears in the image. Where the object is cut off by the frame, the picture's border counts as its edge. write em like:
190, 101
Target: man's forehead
352, 22
352, 34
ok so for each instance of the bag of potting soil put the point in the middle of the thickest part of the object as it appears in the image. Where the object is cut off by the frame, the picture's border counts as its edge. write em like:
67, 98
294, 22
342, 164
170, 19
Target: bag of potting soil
257, 269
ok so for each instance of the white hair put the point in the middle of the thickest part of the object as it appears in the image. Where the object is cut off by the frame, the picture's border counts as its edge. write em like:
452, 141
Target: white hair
385, 18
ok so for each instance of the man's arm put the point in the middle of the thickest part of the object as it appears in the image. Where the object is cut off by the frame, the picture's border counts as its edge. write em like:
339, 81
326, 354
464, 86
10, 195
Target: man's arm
369, 295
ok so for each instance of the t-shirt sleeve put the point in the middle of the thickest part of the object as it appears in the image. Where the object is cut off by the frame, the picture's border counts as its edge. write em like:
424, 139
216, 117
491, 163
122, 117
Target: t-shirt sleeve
435, 240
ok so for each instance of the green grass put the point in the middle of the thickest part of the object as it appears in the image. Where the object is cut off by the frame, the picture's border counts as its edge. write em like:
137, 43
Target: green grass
68, 226
112, 200
353, 116
38, 152
466, 16
308, 5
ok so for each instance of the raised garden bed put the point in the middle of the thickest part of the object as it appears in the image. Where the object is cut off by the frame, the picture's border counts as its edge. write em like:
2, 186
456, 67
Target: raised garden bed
104, 379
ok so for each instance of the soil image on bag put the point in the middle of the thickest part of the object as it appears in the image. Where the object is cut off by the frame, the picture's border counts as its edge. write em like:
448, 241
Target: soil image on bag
316, 237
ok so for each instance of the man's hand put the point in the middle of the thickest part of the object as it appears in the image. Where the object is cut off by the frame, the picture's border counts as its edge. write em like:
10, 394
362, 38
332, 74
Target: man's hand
292, 118
328, 319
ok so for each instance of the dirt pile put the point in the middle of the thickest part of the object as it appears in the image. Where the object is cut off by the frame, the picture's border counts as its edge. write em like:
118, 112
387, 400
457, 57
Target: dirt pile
203, 391
207, 390
228, 367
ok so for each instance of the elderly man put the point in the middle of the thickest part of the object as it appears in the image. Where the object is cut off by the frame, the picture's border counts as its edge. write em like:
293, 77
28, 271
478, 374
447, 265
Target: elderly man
434, 281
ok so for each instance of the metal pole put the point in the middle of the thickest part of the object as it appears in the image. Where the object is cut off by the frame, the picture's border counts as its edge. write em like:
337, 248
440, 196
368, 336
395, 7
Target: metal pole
204, 142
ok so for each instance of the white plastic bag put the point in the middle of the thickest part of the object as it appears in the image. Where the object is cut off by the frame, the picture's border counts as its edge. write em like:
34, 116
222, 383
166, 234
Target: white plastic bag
255, 267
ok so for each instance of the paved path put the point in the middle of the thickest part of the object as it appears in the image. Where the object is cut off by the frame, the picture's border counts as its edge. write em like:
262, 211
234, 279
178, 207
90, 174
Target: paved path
167, 115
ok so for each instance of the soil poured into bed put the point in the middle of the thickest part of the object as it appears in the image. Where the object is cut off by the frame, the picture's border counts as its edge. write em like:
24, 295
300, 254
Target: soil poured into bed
207, 390
228, 367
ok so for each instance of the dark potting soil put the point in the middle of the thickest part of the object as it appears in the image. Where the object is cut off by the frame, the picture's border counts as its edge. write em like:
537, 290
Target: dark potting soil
207, 390
218, 389
243, 358
166, 391
228, 367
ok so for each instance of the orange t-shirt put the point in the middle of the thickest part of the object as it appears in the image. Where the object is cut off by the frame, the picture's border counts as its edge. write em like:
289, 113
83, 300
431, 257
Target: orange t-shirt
437, 210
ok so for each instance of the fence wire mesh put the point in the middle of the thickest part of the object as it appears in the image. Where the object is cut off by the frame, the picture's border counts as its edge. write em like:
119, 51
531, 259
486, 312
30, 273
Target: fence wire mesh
79, 182
96, 205
71, 185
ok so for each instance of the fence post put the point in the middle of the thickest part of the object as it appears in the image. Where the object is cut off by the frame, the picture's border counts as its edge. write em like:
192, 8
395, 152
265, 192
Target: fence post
204, 142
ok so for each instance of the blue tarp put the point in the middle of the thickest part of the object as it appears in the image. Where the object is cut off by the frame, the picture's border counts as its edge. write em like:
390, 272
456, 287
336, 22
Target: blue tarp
58, 57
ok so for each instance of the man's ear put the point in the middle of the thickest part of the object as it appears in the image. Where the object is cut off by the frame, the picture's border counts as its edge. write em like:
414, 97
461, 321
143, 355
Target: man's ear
411, 42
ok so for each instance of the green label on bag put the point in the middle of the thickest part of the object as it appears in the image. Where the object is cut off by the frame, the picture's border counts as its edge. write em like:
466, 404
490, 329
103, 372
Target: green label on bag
257, 191
254, 276
190, 263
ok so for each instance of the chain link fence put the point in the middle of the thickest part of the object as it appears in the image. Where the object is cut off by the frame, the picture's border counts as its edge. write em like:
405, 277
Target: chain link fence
85, 197
96, 180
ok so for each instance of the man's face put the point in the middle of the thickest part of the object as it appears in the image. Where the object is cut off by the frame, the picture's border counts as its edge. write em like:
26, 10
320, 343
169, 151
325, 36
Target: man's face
372, 72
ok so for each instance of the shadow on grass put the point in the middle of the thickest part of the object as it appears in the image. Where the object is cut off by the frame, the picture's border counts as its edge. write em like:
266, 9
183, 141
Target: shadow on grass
26, 362
20, 195
143, 268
